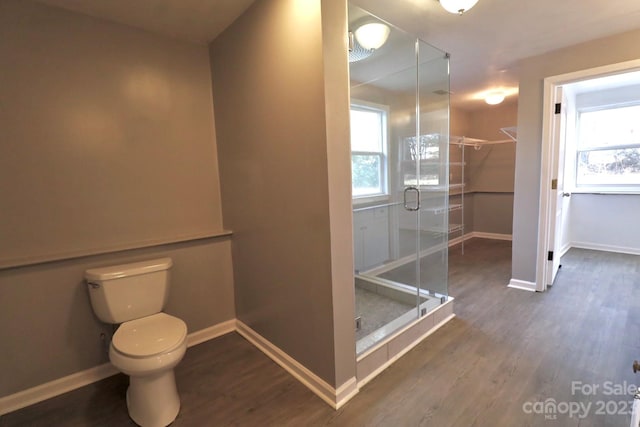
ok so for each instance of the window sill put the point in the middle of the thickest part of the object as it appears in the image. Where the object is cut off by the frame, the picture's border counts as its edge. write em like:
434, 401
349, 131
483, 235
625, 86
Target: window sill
600, 190
365, 200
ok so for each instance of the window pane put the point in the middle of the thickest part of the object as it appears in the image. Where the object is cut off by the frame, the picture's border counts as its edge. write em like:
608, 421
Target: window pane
428, 147
425, 180
609, 167
366, 175
610, 127
366, 130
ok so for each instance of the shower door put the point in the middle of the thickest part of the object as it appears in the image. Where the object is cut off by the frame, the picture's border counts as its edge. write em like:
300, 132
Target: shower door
433, 128
399, 144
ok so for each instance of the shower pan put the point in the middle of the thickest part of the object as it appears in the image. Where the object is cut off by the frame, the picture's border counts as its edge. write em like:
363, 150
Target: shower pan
400, 181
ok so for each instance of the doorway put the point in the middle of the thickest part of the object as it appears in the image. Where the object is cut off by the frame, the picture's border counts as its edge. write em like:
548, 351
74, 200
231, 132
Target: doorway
561, 112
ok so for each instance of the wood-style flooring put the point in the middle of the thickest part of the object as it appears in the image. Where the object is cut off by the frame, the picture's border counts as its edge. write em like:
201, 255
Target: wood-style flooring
505, 351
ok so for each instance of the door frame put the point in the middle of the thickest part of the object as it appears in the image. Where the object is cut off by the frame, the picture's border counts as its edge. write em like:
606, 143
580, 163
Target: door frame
546, 218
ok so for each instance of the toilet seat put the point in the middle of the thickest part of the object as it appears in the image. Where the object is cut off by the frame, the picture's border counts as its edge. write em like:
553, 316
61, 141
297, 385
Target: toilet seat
149, 336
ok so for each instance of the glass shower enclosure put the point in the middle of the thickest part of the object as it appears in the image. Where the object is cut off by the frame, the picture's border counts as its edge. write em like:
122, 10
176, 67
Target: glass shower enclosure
400, 178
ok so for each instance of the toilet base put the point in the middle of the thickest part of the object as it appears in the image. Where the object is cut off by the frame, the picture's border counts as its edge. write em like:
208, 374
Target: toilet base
153, 400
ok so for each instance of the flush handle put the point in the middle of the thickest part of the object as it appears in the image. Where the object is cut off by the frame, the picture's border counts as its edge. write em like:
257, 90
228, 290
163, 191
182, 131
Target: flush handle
93, 285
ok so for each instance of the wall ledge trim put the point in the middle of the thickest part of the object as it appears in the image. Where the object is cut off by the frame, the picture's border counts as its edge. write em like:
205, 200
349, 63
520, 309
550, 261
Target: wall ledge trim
522, 285
67, 255
334, 397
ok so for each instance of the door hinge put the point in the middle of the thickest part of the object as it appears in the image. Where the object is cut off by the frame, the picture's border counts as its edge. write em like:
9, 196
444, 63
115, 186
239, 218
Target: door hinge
558, 108
554, 184
550, 256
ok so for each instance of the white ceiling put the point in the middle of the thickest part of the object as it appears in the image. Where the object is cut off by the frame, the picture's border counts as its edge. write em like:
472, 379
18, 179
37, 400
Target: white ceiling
485, 43
198, 21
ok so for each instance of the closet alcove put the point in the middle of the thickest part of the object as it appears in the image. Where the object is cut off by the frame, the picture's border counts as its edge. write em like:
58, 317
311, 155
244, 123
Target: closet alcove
482, 148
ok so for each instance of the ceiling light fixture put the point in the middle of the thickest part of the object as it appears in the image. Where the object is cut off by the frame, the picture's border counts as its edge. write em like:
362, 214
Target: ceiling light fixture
373, 35
494, 98
457, 6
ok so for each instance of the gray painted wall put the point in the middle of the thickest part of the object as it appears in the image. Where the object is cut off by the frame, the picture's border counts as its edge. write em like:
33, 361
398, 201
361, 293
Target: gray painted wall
609, 50
285, 186
337, 103
493, 212
491, 169
107, 138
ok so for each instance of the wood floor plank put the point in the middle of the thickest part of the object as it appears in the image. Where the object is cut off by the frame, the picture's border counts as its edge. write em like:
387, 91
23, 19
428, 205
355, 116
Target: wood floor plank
505, 348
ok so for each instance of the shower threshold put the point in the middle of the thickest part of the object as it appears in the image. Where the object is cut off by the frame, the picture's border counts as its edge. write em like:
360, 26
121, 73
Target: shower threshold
379, 349
391, 306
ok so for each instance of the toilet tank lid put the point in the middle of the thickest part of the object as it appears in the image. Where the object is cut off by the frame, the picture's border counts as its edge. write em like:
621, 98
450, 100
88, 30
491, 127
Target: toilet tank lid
124, 270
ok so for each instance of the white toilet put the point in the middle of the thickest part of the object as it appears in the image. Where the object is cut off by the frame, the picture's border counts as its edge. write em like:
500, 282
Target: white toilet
148, 344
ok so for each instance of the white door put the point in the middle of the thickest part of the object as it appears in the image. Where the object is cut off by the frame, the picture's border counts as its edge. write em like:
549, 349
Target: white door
558, 194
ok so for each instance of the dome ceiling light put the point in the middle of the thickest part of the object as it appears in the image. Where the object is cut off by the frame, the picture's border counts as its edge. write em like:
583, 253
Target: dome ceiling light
495, 97
373, 35
457, 6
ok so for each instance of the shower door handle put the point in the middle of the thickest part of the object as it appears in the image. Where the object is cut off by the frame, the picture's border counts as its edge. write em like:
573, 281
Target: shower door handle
406, 204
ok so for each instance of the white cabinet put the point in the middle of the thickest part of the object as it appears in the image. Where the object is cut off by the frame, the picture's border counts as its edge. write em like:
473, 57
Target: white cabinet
370, 237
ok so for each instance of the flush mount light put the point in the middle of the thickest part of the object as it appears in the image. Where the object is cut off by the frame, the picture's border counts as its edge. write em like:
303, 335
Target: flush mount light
494, 98
457, 6
373, 35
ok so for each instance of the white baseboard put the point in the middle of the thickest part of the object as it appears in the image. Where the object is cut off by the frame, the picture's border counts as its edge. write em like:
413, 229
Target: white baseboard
375, 271
74, 381
54, 388
334, 397
206, 334
606, 248
460, 239
494, 236
522, 285
565, 249
479, 235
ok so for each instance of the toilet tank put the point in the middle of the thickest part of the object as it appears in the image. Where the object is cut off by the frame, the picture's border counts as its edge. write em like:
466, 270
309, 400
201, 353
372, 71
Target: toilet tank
119, 293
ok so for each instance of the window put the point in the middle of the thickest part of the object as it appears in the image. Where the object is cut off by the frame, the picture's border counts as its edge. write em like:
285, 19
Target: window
427, 151
608, 148
368, 151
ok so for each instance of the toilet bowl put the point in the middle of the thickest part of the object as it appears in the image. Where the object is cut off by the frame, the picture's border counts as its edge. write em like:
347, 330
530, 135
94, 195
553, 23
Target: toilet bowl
147, 350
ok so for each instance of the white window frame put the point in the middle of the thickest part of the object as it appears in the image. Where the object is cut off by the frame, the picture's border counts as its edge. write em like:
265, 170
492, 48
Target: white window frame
600, 188
382, 155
